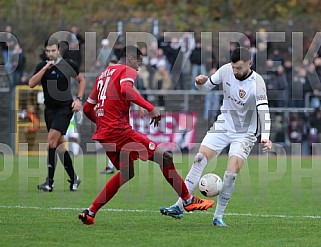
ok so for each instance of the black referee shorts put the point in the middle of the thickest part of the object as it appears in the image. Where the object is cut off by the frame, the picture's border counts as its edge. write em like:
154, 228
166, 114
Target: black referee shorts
58, 118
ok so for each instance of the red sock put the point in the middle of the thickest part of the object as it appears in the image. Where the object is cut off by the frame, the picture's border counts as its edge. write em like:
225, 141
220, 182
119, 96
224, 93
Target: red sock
176, 181
108, 192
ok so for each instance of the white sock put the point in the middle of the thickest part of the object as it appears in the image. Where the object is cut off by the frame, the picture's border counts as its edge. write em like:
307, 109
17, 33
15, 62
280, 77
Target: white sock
225, 194
74, 148
194, 175
110, 165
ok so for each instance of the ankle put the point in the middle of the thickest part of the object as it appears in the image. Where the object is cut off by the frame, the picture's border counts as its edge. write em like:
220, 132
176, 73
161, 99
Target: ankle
188, 201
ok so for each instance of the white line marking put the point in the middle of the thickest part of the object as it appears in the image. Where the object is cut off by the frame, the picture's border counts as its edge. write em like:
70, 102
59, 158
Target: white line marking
151, 211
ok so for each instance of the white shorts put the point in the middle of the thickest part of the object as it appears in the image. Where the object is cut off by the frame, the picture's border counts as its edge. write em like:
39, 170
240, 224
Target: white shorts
240, 144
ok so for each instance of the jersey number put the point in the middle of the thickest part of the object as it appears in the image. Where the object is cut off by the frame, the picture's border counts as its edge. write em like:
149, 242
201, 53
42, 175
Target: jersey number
102, 88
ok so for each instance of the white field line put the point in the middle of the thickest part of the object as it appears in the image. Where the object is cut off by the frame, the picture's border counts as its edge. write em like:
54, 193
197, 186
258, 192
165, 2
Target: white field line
151, 211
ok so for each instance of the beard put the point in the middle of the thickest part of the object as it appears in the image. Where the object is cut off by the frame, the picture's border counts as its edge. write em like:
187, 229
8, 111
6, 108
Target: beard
242, 76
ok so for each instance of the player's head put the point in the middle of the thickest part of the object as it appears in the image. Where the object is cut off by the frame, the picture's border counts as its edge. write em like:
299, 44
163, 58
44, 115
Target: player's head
132, 56
52, 48
241, 62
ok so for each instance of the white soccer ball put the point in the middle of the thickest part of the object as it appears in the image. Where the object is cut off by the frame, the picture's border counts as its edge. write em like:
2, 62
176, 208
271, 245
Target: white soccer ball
210, 185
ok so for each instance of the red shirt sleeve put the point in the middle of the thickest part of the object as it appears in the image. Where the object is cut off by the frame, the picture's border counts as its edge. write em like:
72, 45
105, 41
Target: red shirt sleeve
127, 89
90, 112
90, 104
132, 95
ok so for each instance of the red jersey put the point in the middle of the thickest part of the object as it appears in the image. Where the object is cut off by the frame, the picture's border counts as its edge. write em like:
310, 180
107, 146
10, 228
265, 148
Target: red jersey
112, 94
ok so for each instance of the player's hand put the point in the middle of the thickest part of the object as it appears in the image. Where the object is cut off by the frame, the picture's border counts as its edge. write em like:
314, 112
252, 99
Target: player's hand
141, 112
49, 64
155, 117
267, 145
201, 79
76, 105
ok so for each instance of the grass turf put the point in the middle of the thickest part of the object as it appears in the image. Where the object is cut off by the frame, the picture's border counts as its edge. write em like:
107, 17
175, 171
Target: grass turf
276, 202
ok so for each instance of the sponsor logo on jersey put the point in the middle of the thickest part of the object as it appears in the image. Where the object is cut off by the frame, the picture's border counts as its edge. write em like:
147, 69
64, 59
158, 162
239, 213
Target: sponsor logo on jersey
242, 93
239, 102
152, 146
261, 97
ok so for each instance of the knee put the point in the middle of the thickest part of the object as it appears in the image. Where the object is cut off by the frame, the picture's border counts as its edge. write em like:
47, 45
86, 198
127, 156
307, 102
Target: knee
199, 159
52, 143
128, 172
162, 158
167, 158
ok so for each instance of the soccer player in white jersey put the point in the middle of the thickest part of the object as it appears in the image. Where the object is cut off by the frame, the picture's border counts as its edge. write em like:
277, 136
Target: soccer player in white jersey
244, 116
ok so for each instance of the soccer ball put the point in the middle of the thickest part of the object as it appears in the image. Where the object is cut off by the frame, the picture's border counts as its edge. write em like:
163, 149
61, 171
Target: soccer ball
210, 185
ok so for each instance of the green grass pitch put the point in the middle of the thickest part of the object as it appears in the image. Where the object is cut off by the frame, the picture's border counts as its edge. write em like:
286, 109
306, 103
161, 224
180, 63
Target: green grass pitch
276, 202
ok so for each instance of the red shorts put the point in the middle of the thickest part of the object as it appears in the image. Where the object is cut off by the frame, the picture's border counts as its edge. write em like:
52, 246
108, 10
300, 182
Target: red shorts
124, 148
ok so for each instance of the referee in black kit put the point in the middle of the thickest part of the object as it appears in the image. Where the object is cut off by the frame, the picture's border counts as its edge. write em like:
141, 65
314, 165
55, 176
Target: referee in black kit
54, 75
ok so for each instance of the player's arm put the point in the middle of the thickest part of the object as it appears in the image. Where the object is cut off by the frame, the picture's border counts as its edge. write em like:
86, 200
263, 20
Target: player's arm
36, 78
89, 106
263, 114
76, 105
89, 111
127, 89
141, 109
207, 83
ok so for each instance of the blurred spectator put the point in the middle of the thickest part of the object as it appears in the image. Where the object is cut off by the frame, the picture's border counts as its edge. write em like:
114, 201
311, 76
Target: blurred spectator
75, 41
315, 121
161, 42
117, 48
18, 64
159, 60
142, 79
275, 84
297, 132
263, 47
105, 53
8, 41
248, 40
315, 131
288, 75
187, 42
295, 129
299, 81
198, 67
279, 127
98, 67
212, 103
175, 58
284, 87
315, 99
161, 81
277, 57
32, 128
209, 58
148, 69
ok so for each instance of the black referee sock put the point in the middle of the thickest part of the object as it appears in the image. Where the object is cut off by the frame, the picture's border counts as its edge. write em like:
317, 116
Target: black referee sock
52, 161
67, 163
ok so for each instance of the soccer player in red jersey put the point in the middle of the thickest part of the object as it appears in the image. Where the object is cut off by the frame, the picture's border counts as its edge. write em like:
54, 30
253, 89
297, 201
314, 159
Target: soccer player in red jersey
108, 106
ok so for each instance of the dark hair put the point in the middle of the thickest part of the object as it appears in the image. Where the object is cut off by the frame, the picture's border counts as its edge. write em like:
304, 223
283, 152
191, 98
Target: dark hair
130, 50
51, 41
239, 54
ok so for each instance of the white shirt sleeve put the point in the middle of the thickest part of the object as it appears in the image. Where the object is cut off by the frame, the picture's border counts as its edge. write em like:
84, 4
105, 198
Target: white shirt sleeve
265, 121
263, 108
213, 81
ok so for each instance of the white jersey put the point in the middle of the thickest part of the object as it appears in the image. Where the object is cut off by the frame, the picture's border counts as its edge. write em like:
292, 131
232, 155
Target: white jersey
239, 110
